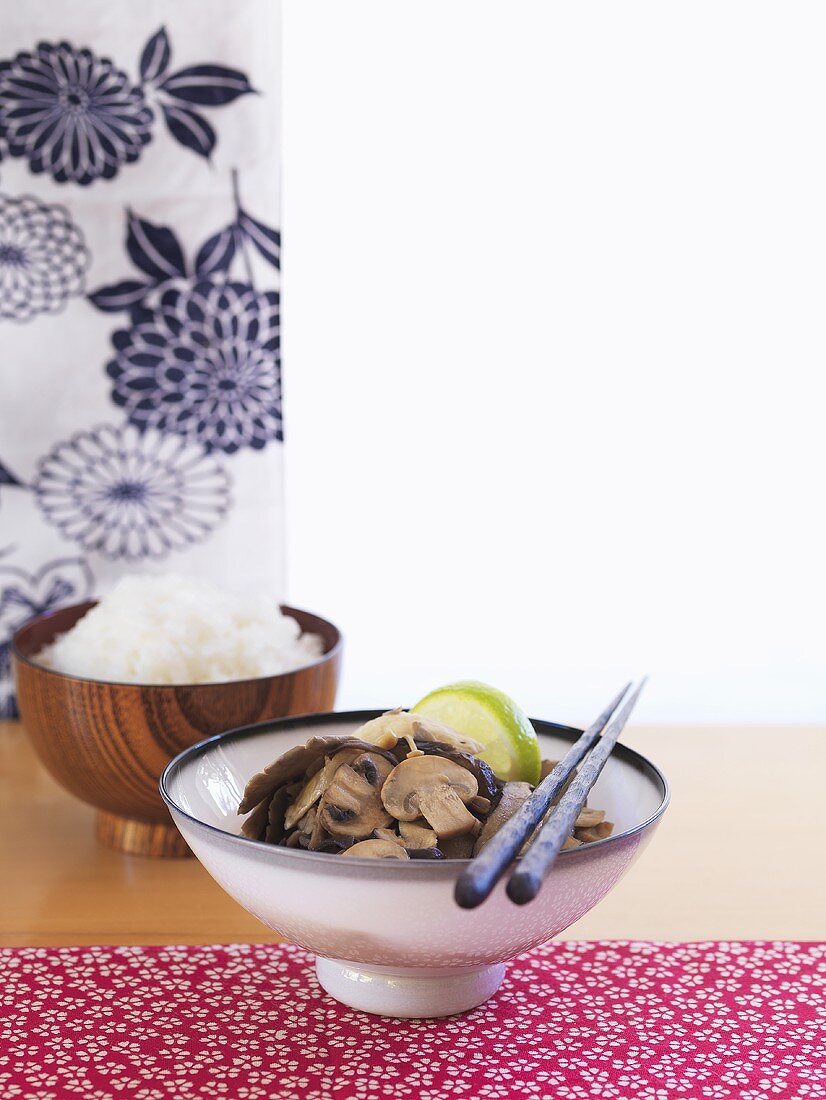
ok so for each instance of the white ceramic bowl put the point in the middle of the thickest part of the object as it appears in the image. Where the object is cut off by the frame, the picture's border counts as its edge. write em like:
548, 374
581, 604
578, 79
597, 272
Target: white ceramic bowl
388, 936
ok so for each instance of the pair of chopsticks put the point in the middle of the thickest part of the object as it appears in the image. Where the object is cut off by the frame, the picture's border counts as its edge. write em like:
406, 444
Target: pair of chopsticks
476, 883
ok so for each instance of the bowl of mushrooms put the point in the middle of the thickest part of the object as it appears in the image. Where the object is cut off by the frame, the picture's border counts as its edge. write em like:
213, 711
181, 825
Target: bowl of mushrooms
345, 833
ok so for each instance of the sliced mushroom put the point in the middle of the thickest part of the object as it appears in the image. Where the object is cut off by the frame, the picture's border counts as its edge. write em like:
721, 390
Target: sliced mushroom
379, 731
513, 795
306, 824
589, 818
489, 786
319, 834
352, 804
377, 849
412, 788
374, 767
458, 847
426, 729
388, 834
291, 765
335, 845
312, 790
255, 825
433, 788
417, 834
275, 820
295, 763
443, 807
323, 772
599, 832
571, 842
399, 724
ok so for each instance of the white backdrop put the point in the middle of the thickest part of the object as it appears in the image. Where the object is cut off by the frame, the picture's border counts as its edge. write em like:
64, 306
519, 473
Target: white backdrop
555, 279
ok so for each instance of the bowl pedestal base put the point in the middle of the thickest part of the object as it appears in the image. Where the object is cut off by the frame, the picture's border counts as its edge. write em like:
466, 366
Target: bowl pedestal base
412, 992
140, 838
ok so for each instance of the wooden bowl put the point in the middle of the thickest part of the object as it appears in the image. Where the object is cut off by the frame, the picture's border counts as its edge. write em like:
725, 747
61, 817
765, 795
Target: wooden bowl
108, 742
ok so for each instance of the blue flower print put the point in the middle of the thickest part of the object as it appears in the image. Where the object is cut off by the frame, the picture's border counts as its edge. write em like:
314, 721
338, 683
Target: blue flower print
71, 113
79, 118
43, 258
158, 255
130, 495
24, 595
203, 364
7, 477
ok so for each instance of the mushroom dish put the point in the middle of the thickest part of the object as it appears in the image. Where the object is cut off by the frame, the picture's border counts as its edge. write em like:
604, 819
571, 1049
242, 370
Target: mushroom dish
402, 786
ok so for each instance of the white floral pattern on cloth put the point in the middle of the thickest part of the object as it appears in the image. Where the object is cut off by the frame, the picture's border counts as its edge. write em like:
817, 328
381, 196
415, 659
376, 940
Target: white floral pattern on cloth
574, 1020
131, 495
157, 437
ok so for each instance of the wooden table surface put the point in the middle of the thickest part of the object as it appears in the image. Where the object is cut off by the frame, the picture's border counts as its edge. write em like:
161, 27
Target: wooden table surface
738, 855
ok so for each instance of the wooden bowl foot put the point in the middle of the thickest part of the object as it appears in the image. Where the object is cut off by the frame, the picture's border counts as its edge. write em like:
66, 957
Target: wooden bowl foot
140, 838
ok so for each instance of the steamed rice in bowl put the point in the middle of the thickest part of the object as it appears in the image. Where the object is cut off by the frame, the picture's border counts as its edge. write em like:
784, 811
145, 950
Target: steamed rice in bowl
173, 629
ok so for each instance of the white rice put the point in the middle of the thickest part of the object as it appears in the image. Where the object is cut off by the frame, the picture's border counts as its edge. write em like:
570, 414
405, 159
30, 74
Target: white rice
172, 629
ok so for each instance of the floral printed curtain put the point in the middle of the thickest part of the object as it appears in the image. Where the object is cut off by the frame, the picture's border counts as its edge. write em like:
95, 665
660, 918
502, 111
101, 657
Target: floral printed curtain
140, 410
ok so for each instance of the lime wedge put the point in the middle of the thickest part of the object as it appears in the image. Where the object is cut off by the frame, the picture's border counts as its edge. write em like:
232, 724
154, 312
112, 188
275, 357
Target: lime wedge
487, 714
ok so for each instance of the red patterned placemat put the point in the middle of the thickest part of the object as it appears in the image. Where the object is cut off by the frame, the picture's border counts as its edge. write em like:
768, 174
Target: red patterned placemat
572, 1020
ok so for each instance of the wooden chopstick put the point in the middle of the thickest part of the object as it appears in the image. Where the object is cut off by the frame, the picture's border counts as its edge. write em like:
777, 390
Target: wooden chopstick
478, 880
526, 880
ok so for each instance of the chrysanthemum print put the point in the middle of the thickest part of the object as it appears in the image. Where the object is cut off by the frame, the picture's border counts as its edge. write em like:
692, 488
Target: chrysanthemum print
80, 118
203, 364
43, 258
141, 405
129, 494
200, 357
70, 113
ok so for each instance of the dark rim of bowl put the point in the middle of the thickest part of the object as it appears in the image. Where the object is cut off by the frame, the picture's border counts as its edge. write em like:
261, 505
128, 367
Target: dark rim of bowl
286, 609
568, 733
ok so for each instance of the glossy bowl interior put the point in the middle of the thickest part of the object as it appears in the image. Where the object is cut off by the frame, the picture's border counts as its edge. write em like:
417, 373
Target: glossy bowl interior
388, 913
107, 743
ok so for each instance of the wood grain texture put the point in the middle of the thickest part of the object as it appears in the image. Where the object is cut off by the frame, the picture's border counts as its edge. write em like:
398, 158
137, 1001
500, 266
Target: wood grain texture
140, 838
718, 868
108, 743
